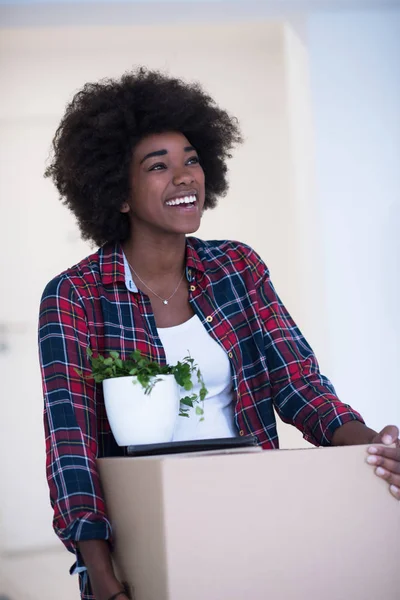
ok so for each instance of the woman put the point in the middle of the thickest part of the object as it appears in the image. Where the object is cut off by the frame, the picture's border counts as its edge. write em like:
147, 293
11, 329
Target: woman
137, 161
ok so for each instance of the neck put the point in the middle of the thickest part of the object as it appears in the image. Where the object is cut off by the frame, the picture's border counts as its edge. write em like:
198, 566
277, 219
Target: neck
156, 257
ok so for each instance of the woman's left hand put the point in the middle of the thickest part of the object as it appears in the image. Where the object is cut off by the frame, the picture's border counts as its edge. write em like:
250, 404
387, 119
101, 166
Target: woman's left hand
386, 459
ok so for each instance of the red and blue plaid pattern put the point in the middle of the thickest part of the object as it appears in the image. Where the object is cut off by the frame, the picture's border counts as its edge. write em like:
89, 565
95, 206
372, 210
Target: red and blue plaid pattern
89, 305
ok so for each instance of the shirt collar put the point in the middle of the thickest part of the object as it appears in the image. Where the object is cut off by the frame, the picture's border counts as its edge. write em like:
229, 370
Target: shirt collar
193, 262
114, 266
111, 263
192, 258
130, 284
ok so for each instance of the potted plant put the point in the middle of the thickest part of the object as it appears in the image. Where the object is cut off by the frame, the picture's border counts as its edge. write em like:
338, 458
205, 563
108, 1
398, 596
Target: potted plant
142, 397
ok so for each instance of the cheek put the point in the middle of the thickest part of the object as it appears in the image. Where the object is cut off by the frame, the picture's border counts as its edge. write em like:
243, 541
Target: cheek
200, 177
146, 191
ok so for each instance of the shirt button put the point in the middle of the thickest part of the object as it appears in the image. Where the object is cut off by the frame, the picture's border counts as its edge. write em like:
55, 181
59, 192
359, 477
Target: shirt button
230, 355
209, 319
192, 288
241, 432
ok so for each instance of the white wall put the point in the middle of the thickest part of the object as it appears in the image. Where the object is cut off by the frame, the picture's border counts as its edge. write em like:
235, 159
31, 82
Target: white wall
355, 83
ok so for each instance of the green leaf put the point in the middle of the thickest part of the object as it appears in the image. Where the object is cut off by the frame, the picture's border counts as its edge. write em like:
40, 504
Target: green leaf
203, 393
114, 354
199, 410
187, 401
189, 359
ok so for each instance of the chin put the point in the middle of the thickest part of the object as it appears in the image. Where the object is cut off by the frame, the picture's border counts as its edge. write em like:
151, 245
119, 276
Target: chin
187, 228
192, 229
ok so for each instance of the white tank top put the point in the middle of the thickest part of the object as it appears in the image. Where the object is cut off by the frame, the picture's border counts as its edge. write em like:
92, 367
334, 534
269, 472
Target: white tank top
192, 338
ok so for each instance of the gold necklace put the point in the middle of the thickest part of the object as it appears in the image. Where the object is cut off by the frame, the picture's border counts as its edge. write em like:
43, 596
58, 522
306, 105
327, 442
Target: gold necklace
164, 300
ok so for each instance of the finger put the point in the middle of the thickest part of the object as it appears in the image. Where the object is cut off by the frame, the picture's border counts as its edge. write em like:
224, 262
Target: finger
386, 463
393, 453
395, 491
391, 478
388, 435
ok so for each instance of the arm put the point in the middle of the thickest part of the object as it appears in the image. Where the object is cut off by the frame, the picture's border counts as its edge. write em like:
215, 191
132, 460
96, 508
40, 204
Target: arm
302, 395
353, 433
96, 556
70, 428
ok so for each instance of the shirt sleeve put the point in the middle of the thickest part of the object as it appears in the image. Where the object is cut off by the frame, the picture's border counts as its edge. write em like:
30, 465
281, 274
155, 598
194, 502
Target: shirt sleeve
70, 418
302, 396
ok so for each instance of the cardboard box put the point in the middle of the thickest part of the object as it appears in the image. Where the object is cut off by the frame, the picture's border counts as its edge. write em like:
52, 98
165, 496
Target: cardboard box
282, 525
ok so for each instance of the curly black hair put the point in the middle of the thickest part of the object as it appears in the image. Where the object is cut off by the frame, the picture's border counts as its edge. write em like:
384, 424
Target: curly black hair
92, 147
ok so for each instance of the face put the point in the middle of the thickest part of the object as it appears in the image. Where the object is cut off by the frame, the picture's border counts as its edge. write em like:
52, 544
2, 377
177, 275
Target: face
167, 192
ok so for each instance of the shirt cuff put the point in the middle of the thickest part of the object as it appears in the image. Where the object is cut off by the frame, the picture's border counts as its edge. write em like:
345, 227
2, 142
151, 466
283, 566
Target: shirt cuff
329, 424
85, 529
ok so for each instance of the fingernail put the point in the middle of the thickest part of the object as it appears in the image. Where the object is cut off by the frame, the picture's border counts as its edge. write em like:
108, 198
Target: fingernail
372, 450
387, 439
372, 460
394, 489
379, 471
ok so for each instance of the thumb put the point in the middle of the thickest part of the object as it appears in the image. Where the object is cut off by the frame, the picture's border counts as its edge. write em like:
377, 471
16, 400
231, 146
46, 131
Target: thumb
387, 436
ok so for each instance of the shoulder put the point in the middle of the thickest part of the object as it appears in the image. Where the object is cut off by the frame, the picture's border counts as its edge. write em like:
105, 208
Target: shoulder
74, 280
232, 256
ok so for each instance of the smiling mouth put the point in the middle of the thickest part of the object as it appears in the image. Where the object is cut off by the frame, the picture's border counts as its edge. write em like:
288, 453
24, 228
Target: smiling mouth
188, 201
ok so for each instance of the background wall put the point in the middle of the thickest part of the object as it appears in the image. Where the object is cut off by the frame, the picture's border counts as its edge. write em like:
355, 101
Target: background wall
315, 189
355, 83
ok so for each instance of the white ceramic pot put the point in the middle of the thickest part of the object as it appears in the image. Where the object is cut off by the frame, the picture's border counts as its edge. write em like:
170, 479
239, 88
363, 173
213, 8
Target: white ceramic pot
136, 418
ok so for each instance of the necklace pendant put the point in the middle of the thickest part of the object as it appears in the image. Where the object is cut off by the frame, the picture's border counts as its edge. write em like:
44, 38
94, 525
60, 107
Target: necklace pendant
165, 301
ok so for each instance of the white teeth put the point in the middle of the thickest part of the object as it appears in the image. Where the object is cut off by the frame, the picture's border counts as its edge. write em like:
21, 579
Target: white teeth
185, 200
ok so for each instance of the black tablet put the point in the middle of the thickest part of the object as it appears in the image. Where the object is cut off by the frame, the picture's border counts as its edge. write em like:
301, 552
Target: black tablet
193, 446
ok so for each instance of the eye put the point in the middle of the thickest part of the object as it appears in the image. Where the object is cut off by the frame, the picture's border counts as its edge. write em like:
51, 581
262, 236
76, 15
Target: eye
194, 160
157, 167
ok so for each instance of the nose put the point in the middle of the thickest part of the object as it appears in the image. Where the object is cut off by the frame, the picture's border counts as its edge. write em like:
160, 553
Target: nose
183, 177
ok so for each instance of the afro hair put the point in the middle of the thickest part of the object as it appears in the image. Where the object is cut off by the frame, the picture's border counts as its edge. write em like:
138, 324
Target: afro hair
93, 145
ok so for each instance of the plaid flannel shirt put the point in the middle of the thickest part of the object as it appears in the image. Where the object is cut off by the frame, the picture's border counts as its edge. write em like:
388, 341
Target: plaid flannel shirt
95, 304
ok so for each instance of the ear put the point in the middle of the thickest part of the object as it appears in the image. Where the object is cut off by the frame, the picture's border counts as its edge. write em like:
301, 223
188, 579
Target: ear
125, 208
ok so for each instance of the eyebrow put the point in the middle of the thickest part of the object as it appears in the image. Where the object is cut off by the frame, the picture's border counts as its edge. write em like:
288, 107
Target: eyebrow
163, 153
